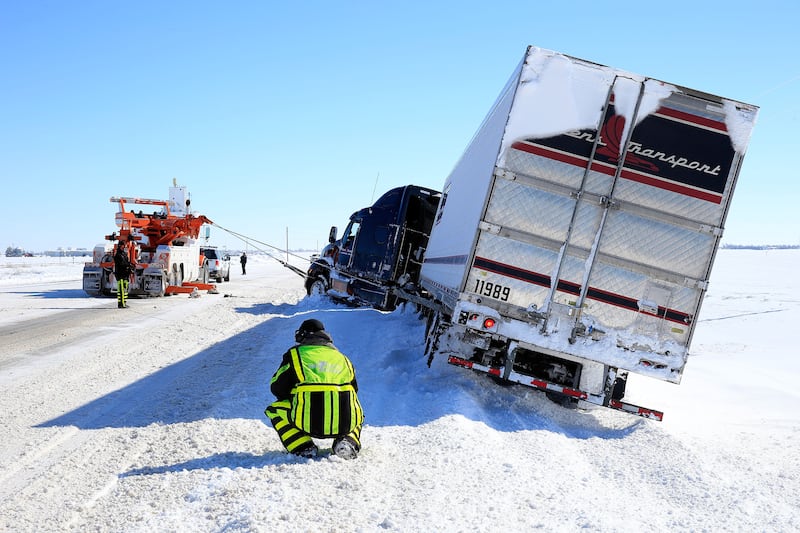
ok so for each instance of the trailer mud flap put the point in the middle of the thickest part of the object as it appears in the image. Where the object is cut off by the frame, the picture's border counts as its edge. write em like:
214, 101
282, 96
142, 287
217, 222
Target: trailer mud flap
472, 365
570, 392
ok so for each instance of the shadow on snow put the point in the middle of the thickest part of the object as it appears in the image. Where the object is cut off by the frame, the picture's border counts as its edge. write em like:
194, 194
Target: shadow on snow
219, 460
53, 294
230, 380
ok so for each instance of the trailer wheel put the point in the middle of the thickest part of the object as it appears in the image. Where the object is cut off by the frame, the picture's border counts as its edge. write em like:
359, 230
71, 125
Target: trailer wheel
563, 400
430, 316
432, 335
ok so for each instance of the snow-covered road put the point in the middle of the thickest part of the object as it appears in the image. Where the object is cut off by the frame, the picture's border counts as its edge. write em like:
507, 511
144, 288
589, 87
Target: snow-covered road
151, 419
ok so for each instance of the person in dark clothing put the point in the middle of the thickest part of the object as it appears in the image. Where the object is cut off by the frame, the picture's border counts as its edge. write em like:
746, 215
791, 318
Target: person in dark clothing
243, 261
316, 391
122, 271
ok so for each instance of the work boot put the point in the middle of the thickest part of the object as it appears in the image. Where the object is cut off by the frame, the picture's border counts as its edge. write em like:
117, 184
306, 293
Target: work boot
345, 447
308, 451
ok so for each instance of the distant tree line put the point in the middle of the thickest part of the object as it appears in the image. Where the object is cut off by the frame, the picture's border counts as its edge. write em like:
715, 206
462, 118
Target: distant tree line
15, 251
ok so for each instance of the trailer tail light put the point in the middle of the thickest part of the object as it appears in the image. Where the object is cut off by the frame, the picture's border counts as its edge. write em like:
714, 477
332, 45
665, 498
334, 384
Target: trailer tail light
489, 323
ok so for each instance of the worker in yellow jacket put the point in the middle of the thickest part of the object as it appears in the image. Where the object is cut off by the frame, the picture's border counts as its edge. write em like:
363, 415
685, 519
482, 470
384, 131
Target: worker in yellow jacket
316, 391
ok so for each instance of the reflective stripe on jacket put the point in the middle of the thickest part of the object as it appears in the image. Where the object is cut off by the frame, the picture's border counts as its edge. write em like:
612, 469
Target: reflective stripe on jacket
324, 399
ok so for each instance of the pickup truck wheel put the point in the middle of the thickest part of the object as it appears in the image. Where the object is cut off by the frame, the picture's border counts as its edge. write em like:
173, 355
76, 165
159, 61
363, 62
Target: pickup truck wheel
317, 287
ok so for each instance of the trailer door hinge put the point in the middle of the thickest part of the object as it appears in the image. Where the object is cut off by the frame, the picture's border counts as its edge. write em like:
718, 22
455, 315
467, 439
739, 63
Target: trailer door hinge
608, 203
505, 174
494, 229
711, 230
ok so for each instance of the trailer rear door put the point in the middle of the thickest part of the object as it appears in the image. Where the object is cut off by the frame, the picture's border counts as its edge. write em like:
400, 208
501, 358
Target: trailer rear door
611, 231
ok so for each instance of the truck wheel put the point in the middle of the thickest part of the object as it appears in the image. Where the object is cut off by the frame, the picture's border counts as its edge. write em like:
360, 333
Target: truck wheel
162, 289
317, 287
172, 278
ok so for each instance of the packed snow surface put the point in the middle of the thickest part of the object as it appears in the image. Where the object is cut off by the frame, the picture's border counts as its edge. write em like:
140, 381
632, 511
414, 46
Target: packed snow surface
151, 418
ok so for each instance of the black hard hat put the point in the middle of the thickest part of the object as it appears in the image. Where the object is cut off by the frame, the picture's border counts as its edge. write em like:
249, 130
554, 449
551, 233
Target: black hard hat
311, 325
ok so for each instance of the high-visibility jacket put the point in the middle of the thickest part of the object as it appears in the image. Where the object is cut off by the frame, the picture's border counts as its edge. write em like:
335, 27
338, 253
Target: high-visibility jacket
321, 383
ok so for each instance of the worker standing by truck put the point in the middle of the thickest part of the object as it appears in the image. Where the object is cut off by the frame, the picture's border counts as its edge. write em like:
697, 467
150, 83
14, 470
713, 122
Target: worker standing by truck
243, 261
122, 271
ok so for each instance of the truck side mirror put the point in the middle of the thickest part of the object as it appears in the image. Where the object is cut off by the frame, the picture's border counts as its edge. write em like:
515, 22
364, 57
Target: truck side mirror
332, 234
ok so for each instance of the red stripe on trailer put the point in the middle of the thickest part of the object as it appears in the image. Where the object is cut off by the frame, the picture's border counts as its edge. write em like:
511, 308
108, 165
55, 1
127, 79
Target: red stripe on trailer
636, 410
453, 360
693, 119
541, 384
626, 173
594, 293
546, 385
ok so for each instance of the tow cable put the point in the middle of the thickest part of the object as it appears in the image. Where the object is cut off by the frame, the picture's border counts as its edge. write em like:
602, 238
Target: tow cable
255, 242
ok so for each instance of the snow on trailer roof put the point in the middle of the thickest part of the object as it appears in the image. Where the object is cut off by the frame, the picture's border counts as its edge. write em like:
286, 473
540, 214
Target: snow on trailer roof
566, 93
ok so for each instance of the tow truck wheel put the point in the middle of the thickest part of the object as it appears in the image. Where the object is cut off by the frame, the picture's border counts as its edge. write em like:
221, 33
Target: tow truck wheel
163, 290
171, 278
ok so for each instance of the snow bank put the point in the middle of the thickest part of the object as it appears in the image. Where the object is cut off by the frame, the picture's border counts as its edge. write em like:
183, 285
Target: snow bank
153, 421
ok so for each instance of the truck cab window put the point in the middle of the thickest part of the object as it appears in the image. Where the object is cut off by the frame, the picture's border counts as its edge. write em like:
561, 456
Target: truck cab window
349, 236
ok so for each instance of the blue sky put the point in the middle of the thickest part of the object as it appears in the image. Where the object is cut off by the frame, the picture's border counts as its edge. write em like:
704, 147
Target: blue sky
290, 116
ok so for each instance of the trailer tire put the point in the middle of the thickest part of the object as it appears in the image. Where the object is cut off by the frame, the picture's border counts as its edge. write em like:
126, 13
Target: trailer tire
563, 400
432, 333
430, 316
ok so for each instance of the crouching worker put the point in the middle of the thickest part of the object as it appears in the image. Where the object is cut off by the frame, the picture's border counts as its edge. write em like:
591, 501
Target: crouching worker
316, 388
